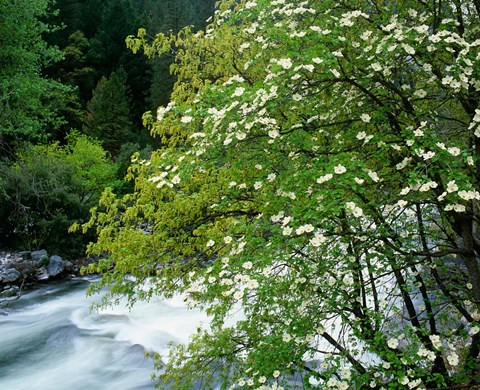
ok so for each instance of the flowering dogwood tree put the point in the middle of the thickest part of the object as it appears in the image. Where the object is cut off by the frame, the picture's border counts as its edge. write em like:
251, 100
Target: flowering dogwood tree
319, 172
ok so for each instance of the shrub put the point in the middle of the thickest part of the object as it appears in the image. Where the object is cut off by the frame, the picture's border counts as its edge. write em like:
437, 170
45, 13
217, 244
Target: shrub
49, 187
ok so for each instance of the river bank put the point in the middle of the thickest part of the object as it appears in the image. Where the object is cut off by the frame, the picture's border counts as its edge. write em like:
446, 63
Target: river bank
19, 270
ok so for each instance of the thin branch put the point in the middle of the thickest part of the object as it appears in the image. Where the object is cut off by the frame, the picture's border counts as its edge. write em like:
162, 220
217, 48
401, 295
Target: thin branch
355, 363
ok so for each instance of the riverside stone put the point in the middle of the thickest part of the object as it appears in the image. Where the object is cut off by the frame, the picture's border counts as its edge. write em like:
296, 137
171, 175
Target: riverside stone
9, 291
9, 275
69, 266
39, 256
55, 266
17, 268
42, 274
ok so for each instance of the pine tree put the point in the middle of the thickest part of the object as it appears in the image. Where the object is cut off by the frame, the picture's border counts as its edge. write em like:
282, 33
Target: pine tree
108, 117
163, 17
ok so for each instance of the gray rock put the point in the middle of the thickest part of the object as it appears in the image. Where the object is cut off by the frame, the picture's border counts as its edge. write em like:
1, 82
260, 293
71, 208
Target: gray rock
41, 274
3, 258
69, 266
39, 256
9, 291
16, 258
9, 275
55, 266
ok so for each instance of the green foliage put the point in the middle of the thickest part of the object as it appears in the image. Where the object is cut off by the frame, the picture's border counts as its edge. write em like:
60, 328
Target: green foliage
172, 15
319, 175
74, 69
123, 161
29, 102
94, 170
164, 17
108, 117
47, 189
92, 40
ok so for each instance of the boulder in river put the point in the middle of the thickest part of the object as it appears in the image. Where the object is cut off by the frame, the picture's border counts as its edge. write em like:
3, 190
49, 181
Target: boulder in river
9, 275
41, 274
40, 256
9, 291
55, 266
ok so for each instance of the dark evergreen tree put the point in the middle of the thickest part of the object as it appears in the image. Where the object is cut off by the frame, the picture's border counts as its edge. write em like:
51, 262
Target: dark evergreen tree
68, 16
204, 9
95, 47
108, 43
91, 19
165, 16
74, 69
108, 117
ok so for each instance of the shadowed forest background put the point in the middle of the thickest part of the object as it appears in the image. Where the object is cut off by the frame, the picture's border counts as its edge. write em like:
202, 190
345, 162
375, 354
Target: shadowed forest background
72, 98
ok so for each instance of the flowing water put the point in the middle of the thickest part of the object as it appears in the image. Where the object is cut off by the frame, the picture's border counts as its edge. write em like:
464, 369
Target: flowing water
49, 340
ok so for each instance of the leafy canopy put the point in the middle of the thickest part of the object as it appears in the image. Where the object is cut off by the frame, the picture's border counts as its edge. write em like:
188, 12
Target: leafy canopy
320, 172
47, 188
29, 102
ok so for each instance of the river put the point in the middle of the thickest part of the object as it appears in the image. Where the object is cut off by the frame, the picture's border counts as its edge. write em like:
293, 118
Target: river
49, 340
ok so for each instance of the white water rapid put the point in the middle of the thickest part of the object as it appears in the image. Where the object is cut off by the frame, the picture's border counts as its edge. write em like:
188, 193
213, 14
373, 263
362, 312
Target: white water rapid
49, 340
